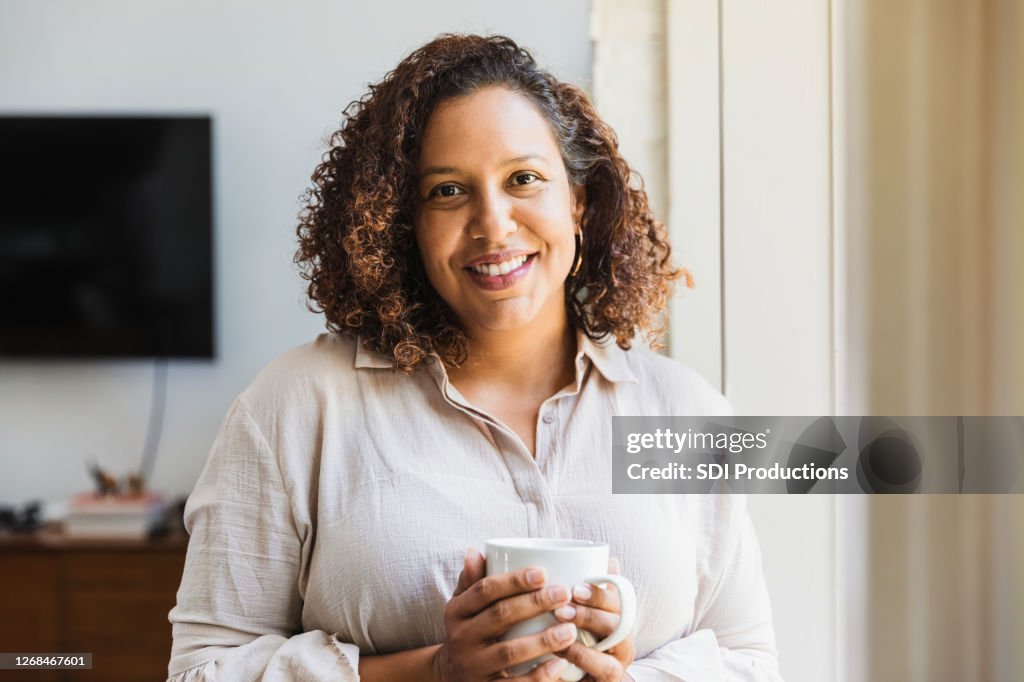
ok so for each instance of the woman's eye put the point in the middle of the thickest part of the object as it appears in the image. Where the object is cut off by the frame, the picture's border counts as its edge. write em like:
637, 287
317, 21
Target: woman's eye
445, 191
524, 178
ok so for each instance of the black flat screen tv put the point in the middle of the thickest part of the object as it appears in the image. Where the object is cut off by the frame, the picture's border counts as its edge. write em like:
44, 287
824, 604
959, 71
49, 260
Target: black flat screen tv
106, 237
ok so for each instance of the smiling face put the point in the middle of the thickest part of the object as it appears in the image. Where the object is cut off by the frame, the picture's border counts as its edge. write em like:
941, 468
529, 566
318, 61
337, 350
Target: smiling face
496, 213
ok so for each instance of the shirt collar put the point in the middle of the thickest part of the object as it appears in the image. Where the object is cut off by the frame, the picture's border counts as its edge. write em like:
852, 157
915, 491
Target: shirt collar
607, 357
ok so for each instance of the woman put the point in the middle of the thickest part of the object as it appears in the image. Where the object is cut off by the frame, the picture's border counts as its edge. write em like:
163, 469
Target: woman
483, 263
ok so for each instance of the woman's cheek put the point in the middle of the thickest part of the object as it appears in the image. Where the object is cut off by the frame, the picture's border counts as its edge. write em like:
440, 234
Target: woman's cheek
434, 252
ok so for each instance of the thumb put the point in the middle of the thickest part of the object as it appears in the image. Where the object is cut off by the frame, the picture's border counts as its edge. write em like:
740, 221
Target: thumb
472, 570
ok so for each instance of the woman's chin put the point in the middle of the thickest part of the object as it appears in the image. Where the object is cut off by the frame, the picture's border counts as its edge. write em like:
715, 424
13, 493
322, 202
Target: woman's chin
508, 315
518, 309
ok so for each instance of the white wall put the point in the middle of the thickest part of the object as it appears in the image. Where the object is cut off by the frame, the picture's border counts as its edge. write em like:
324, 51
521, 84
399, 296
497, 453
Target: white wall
275, 77
778, 305
776, 160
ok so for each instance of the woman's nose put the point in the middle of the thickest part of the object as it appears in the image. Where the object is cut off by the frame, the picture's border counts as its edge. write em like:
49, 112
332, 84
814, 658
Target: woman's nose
492, 218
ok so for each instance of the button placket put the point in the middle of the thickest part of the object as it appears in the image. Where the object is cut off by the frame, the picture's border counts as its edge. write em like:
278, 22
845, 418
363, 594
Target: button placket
546, 429
528, 473
550, 439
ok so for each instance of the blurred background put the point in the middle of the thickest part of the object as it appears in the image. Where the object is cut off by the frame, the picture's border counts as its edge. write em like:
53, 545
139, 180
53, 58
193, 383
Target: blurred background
844, 178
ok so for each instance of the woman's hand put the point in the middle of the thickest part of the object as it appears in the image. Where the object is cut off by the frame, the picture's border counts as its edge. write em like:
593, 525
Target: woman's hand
597, 610
483, 609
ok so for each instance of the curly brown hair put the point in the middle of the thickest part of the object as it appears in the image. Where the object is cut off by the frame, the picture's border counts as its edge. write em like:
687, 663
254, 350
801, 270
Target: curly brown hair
357, 247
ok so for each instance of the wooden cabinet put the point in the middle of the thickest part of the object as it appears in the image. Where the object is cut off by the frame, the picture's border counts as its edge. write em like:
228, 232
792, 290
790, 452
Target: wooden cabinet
108, 598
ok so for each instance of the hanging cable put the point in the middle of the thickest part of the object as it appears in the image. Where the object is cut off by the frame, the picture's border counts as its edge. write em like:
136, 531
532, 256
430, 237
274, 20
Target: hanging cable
157, 407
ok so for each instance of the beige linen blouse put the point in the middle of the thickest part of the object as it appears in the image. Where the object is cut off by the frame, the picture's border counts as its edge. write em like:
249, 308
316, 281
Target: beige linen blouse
340, 496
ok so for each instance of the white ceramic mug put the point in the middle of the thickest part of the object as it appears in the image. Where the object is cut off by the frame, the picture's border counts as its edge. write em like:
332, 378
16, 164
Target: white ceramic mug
569, 563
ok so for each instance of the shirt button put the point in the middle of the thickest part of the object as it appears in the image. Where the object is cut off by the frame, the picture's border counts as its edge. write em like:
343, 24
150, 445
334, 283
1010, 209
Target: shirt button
548, 417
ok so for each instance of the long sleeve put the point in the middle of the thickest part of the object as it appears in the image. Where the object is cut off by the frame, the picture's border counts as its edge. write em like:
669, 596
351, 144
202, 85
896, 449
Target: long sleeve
732, 637
238, 612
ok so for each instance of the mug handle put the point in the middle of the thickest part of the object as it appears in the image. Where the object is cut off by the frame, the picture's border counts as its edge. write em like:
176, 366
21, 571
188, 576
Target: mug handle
627, 610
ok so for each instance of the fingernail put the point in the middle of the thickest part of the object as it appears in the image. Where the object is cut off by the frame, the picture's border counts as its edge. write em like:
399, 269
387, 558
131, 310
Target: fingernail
566, 612
535, 576
556, 666
557, 593
565, 632
469, 553
582, 592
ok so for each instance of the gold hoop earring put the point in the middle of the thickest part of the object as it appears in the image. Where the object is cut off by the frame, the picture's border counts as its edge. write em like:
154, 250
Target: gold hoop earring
579, 253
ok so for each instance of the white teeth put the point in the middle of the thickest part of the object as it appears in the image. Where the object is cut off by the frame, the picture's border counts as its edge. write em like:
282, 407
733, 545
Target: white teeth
495, 269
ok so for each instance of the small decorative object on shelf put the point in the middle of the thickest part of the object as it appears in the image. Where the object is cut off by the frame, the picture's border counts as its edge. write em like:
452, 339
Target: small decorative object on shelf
115, 509
24, 520
136, 484
106, 484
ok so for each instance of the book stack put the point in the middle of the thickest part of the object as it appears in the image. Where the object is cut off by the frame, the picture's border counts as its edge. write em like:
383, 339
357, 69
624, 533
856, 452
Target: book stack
91, 515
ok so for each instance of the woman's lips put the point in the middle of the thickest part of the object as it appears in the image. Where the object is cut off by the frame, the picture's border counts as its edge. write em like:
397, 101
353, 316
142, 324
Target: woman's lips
499, 282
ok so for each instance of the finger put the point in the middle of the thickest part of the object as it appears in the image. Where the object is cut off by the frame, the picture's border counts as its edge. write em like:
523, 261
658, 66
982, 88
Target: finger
614, 567
598, 665
604, 598
487, 591
522, 649
600, 623
471, 571
549, 672
495, 620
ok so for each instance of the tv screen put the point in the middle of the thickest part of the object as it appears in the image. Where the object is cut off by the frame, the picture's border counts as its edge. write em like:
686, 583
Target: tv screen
106, 237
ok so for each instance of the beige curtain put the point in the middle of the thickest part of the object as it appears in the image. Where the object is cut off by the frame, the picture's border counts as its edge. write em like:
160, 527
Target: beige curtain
935, 217
934, 222
943, 593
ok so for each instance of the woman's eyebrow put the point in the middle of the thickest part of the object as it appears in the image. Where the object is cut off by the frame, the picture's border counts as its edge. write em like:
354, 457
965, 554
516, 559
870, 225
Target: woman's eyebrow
523, 159
438, 170
446, 170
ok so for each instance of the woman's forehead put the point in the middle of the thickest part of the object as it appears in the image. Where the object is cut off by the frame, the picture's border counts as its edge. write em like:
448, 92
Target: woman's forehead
486, 128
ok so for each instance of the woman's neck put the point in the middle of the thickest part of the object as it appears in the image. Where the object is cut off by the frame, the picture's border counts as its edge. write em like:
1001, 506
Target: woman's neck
536, 360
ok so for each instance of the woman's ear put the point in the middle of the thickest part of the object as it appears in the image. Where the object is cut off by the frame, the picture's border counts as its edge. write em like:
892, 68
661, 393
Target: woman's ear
579, 202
